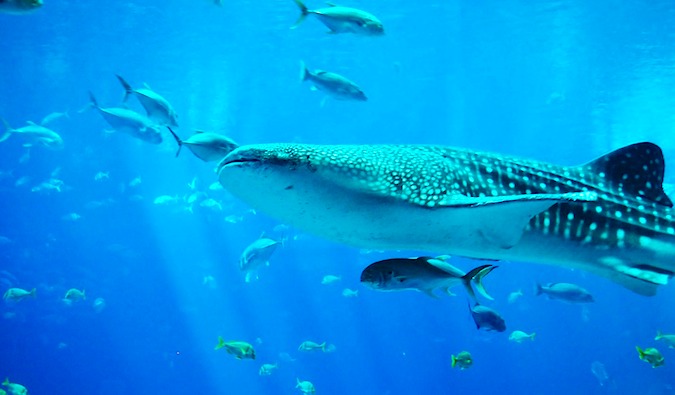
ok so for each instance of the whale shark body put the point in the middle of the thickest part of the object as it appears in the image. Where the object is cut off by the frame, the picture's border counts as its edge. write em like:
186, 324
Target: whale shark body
609, 216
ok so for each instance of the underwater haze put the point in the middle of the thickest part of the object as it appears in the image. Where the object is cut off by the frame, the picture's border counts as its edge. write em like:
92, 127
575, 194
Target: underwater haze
155, 243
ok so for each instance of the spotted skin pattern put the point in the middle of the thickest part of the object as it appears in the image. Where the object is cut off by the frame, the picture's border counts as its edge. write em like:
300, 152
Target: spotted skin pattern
627, 234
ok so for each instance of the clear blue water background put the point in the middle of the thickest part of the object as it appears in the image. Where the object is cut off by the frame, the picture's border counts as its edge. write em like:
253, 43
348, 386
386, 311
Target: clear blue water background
561, 81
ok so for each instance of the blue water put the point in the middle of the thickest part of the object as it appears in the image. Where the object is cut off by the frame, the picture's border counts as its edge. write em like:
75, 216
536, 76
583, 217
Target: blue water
560, 81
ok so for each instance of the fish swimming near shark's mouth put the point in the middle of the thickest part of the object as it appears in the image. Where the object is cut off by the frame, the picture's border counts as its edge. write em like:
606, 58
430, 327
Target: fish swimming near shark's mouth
609, 216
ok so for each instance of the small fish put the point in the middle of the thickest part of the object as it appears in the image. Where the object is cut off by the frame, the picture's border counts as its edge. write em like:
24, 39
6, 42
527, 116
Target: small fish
329, 279
207, 146
128, 121
306, 387
668, 339
99, 305
652, 356
600, 373
34, 135
240, 350
71, 217
267, 368
513, 296
211, 204
74, 295
309, 345
487, 318
102, 176
422, 274
333, 84
564, 291
164, 200
135, 182
234, 219
256, 255
158, 108
520, 336
14, 388
350, 293
22, 181
343, 19
52, 184
19, 7
463, 360
215, 186
18, 294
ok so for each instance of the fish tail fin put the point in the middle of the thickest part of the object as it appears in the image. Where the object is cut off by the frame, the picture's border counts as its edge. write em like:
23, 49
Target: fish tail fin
92, 103
533, 335
33, 293
659, 335
178, 140
221, 343
127, 88
476, 275
304, 73
538, 290
8, 132
454, 360
640, 352
304, 11
323, 346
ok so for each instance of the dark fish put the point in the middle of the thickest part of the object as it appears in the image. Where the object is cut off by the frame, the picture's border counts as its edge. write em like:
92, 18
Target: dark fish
487, 318
422, 274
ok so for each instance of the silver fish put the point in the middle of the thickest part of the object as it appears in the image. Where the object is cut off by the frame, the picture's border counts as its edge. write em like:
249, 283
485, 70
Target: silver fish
422, 274
158, 108
128, 121
19, 7
209, 147
343, 19
333, 84
565, 291
609, 216
257, 254
34, 134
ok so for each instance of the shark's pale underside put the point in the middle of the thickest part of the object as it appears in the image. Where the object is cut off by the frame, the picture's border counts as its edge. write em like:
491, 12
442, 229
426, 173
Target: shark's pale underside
609, 216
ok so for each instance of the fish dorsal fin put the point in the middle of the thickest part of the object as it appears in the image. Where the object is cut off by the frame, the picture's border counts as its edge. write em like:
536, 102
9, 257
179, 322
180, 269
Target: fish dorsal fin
331, 4
444, 266
199, 132
636, 169
31, 123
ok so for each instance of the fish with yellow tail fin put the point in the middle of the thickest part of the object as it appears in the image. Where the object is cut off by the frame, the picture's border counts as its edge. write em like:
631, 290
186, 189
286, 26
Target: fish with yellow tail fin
462, 360
15, 388
240, 350
652, 356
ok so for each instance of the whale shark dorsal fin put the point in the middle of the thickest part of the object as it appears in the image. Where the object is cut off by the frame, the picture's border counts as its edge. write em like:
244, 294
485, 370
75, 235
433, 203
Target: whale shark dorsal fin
501, 220
636, 169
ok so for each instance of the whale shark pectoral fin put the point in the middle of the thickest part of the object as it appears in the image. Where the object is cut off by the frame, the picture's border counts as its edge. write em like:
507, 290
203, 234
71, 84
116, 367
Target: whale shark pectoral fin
501, 220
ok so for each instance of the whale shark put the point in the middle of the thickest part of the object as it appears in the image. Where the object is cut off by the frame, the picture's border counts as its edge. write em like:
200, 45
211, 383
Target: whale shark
609, 216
